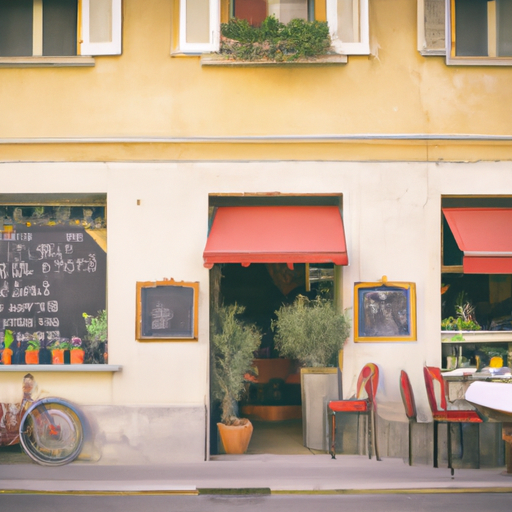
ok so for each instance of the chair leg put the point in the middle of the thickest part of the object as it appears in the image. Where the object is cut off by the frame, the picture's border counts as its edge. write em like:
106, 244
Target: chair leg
410, 442
369, 433
449, 443
333, 436
435, 461
374, 429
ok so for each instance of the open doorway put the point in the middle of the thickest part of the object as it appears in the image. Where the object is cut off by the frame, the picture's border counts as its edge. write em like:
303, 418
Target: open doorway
272, 400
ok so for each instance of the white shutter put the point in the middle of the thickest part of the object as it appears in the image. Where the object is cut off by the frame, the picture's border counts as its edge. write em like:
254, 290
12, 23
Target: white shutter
352, 14
432, 27
199, 26
101, 27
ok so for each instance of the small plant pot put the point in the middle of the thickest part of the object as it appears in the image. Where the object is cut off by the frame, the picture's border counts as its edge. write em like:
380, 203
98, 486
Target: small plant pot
58, 356
32, 357
77, 356
7, 356
235, 438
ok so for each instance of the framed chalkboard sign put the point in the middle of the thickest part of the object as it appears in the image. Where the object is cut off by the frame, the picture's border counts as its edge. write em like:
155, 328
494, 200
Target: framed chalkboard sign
167, 311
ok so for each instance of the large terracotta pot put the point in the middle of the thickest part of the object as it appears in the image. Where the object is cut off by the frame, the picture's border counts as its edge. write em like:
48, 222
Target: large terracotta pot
76, 356
6, 356
235, 438
32, 356
58, 356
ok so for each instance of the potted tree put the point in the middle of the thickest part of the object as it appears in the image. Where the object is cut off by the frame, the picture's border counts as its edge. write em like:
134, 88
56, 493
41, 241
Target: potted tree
313, 331
233, 343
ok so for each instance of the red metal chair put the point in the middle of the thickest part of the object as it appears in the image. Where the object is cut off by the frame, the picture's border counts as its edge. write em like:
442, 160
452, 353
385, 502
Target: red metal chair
409, 405
363, 403
441, 413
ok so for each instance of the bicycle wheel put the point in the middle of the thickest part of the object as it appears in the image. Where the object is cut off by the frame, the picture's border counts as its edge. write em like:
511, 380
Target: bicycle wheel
51, 432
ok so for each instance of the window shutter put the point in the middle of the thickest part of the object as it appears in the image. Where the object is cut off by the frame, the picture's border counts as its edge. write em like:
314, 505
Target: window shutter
431, 27
100, 27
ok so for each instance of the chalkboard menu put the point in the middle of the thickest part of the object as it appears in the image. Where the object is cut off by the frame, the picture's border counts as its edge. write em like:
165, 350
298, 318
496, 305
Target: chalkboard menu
50, 276
167, 310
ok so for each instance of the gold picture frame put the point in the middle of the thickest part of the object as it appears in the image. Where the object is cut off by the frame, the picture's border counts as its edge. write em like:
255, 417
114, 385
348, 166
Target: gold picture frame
385, 311
167, 311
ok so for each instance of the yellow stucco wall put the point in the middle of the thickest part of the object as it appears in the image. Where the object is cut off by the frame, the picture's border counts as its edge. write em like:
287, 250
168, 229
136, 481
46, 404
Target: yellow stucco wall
147, 93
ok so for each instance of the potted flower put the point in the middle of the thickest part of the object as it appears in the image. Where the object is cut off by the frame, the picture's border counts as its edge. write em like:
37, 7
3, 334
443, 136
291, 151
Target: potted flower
7, 351
313, 332
233, 343
32, 350
77, 352
58, 347
97, 337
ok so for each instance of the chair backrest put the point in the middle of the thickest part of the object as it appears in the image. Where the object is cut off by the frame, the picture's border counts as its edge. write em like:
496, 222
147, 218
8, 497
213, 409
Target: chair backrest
368, 382
407, 396
436, 393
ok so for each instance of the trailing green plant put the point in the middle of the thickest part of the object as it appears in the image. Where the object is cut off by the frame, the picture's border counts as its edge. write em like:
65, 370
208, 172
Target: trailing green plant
97, 337
465, 317
273, 40
233, 343
311, 330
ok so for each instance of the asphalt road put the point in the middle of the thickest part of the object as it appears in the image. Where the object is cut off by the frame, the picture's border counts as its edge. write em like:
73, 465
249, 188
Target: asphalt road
454, 502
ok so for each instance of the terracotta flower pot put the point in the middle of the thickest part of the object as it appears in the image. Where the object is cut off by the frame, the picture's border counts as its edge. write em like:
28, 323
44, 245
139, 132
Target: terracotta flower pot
77, 356
32, 357
235, 438
57, 356
6, 356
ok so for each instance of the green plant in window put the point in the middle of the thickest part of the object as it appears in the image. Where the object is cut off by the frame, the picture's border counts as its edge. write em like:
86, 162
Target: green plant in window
465, 316
96, 340
273, 40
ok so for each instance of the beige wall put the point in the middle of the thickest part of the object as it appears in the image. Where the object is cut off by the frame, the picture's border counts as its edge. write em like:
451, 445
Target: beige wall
146, 92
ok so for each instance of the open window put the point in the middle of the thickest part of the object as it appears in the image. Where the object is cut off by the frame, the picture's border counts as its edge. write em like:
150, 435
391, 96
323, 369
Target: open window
199, 21
59, 28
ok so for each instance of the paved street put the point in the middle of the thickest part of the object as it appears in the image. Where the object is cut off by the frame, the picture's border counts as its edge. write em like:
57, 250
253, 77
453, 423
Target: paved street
495, 502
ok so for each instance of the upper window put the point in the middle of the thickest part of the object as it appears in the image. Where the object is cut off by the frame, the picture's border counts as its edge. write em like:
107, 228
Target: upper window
57, 28
481, 28
477, 32
199, 25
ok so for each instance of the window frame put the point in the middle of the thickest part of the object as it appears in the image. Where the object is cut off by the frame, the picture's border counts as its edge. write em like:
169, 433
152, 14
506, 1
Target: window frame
359, 48
84, 47
452, 58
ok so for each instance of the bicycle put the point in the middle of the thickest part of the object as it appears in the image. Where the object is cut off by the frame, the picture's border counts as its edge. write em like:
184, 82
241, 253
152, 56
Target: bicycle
50, 430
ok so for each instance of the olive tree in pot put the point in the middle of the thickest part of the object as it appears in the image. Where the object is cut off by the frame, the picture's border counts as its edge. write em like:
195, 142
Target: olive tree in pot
233, 343
313, 331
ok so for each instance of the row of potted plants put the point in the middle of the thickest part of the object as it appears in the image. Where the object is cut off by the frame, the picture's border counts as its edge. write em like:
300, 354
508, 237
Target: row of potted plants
62, 350
56, 352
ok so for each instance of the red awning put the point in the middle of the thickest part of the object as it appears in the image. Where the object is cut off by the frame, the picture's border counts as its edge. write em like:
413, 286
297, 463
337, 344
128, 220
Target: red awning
485, 237
276, 234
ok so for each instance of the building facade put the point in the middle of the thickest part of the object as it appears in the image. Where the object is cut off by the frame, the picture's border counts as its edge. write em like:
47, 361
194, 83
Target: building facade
142, 123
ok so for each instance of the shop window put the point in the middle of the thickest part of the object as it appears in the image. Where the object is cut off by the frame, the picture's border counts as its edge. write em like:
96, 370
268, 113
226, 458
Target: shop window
56, 28
476, 307
199, 20
53, 269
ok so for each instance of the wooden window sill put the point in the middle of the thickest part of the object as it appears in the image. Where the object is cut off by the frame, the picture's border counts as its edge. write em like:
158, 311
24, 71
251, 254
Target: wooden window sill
46, 62
324, 60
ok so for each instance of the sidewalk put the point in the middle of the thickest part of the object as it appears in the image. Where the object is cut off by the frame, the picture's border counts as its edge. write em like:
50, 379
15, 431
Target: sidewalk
253, 474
